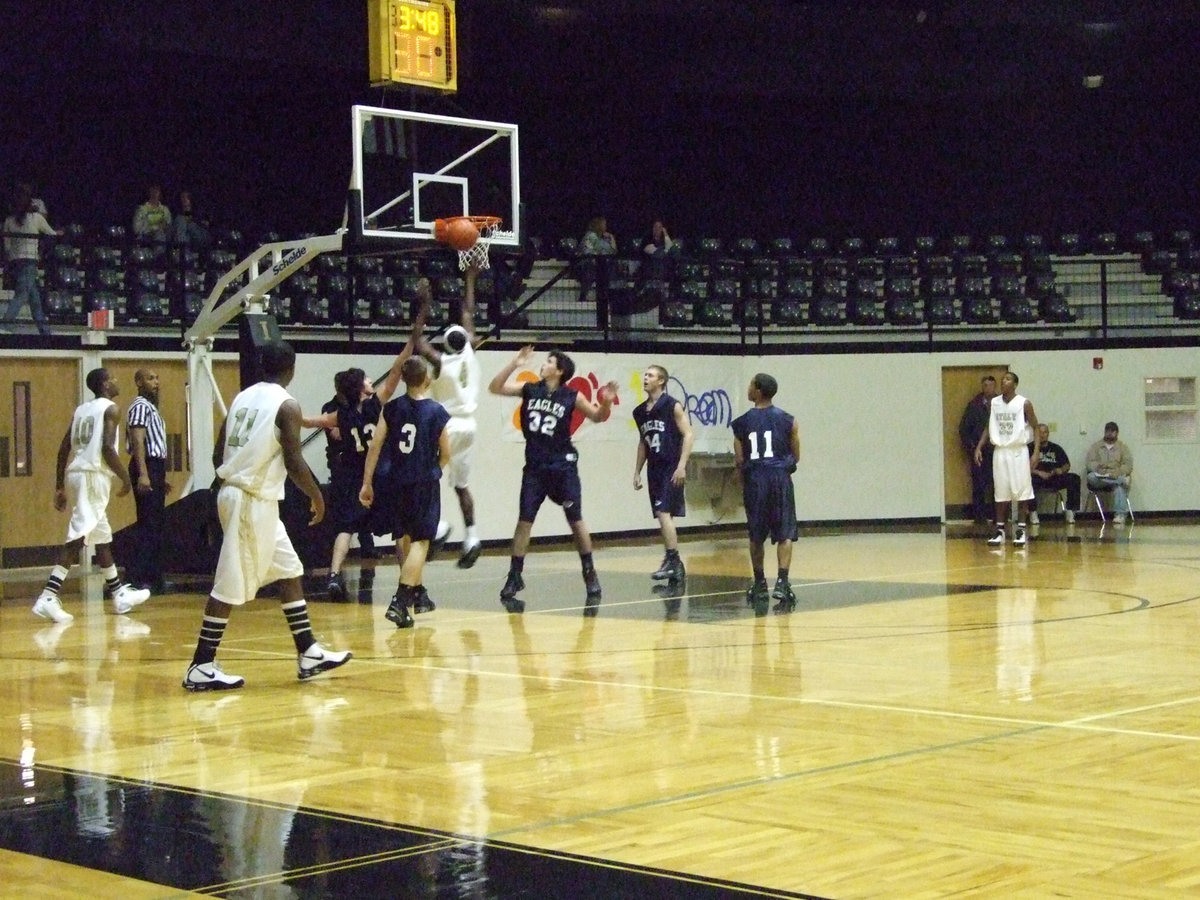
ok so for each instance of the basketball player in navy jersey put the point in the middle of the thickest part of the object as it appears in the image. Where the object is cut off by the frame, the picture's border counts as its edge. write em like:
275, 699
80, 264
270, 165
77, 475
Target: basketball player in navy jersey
353, 420
665, 442
551, 462
412, 432
765, 449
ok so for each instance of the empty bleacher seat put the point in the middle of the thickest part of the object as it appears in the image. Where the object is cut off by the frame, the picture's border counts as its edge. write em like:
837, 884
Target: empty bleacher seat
900, 301
827, 306
781, 247
1069, 243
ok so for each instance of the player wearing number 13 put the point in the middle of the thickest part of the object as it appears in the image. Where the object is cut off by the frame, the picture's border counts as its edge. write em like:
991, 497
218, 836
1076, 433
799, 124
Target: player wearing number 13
765, 449
551, 462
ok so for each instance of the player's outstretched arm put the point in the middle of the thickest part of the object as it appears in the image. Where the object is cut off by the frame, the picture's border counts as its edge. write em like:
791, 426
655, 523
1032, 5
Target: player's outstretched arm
420, 343
415, 335
598, 412
468, 304
499, 384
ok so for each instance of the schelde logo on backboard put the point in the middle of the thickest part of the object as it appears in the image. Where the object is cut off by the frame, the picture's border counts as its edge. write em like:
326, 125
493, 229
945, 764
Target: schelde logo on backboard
288, 260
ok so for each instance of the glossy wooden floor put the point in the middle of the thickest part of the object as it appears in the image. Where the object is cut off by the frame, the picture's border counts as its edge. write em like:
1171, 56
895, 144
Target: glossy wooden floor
937, 718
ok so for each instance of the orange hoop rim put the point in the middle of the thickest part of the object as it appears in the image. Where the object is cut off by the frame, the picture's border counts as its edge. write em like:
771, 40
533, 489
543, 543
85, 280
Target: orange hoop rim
480, 223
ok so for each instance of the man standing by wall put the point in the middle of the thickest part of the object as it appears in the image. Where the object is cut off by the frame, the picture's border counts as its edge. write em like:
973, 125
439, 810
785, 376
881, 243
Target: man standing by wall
147, 442
971, 426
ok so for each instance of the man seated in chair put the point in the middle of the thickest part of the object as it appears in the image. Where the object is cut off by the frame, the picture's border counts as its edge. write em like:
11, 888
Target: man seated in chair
1109, 465
1053, 473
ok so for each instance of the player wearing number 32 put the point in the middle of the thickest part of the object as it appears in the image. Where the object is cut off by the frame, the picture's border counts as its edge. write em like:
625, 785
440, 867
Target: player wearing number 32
765, 449
551, 462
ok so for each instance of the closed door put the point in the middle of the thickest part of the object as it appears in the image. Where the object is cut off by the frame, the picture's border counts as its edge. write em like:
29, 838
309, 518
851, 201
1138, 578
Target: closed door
37, 400
959, 385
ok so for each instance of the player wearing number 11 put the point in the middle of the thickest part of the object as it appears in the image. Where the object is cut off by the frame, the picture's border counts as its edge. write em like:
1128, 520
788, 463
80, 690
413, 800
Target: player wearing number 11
765, 449
257, 449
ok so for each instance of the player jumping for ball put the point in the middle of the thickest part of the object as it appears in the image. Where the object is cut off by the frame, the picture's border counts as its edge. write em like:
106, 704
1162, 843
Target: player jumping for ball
551, 461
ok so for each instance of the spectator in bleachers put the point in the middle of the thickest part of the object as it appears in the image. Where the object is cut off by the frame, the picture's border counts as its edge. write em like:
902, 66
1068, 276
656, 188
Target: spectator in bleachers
186, 227
21, 247
152, 220
597, 241
660, 250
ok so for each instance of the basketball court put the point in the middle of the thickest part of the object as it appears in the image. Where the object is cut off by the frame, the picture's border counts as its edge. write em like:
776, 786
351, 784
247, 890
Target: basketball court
935, 718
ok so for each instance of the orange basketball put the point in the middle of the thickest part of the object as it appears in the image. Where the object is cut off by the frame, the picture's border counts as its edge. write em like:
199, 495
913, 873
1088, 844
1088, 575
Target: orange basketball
461, 234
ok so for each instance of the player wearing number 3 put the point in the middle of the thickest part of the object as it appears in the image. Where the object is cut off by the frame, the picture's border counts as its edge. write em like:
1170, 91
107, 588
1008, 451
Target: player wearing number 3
551, 462
765, 449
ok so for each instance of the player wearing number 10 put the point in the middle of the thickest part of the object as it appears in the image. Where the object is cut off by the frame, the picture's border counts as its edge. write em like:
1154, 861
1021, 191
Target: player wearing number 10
765, 449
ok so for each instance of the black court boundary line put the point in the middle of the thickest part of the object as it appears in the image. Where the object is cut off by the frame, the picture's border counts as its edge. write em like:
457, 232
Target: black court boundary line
436, 841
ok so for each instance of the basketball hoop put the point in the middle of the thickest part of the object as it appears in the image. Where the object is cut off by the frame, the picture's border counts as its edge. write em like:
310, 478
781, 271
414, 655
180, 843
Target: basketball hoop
448, 231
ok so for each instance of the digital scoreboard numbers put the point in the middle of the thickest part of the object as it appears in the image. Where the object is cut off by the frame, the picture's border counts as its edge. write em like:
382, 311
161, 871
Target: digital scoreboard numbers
413, 42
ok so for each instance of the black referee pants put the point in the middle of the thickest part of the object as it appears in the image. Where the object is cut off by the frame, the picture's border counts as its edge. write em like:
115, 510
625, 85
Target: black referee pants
146, 566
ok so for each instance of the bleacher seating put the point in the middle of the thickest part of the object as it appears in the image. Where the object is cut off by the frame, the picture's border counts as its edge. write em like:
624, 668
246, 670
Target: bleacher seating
779, 284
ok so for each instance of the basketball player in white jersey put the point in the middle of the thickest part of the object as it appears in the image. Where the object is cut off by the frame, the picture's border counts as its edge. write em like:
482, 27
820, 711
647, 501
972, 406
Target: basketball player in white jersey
456, 386
85, 485
260, 447
1012, 426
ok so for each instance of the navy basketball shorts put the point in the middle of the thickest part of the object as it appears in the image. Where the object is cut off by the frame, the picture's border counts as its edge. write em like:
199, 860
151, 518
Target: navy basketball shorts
344, 511
770, 506
665, 497
559, 485
418, 509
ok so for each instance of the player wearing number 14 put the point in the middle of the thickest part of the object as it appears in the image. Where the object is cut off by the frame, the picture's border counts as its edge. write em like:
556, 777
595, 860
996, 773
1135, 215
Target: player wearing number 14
765, 449
665, 442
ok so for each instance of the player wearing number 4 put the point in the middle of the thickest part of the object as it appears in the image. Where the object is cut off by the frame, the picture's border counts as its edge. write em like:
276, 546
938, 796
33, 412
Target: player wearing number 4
665, 442
551, 462
765, 450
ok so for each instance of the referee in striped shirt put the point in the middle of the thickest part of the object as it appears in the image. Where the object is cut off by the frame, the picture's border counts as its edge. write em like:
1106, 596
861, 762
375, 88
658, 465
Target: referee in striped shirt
147, 436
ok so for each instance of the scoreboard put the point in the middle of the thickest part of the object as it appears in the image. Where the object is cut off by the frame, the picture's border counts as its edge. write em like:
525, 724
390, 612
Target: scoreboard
413, 42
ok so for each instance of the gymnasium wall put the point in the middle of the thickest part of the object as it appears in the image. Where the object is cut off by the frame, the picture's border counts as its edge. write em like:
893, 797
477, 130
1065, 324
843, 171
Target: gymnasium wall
871, 429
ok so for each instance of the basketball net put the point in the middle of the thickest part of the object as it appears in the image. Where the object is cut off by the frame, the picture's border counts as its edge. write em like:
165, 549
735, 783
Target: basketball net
477, 254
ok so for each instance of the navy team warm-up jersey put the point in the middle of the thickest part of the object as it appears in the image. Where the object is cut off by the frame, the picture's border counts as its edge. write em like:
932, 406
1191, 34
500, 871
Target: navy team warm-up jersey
658, 431
413, 430
766, 438
546, 424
